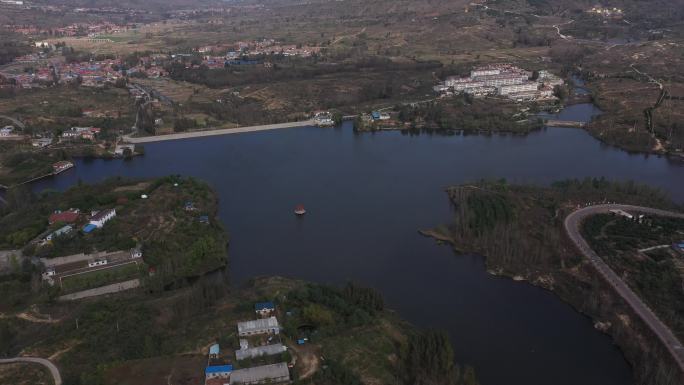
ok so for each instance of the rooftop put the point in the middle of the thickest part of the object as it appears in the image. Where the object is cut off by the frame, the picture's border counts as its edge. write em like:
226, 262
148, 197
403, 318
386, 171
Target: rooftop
264, 306
62, 230
260, 373
64, 216
102, 214
218, 369
214, 349
266, 350
257, 325
89, 227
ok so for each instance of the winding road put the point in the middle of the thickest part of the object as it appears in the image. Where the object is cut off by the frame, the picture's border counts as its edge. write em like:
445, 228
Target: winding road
42, 361
557, 27
16, 122
651, 79
572, 227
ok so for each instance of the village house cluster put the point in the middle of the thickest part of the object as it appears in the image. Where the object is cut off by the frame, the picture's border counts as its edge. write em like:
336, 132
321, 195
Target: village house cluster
66, 222
72, 30
258, 338
502, 80
323, 119
72, 217
607, 12
86, 133
264, 47
223, 55
88, 74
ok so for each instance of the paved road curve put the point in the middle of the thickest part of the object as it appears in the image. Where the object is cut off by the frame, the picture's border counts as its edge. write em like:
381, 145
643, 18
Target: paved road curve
16, 122
51, 367
572, 227
223, 131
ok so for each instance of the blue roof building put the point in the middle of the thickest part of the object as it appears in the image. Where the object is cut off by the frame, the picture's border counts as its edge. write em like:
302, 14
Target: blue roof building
218, 371
89, 228
264, 306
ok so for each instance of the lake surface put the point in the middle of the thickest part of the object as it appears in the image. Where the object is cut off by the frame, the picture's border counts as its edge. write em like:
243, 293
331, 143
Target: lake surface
367, 195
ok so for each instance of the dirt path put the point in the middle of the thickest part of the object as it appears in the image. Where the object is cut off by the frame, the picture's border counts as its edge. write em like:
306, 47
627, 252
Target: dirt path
32, 315
32, 318
168, 378
308, 361
59, 353
650, 78
558, 31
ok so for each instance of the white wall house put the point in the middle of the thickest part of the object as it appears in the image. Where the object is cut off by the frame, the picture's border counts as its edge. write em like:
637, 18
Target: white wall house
98, 220
97, 262
6, 131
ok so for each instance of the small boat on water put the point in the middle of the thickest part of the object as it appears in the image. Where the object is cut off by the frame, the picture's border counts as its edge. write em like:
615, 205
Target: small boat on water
300, 210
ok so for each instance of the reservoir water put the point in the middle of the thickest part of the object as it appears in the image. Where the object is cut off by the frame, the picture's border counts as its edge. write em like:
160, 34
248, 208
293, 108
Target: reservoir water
366, 197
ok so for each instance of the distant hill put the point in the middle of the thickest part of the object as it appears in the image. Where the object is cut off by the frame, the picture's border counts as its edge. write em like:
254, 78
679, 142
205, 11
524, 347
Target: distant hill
147, 5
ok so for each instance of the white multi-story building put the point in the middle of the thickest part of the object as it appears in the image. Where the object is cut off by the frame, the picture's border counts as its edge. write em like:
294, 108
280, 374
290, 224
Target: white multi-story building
524, 95
549, 79
513, 88
484, 72
480, 91
546, 92
465, 84
500, 80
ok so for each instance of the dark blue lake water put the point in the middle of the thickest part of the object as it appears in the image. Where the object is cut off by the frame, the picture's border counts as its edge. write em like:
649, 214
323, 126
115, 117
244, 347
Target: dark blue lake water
367, 195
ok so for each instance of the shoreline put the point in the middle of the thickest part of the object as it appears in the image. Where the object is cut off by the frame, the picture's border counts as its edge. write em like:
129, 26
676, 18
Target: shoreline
576, 289
223, 131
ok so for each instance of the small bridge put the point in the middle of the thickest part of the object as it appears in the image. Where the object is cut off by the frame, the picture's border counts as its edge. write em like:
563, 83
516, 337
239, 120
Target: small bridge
565, 123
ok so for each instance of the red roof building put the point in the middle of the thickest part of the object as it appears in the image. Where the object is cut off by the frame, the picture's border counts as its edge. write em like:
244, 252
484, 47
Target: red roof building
70, 216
